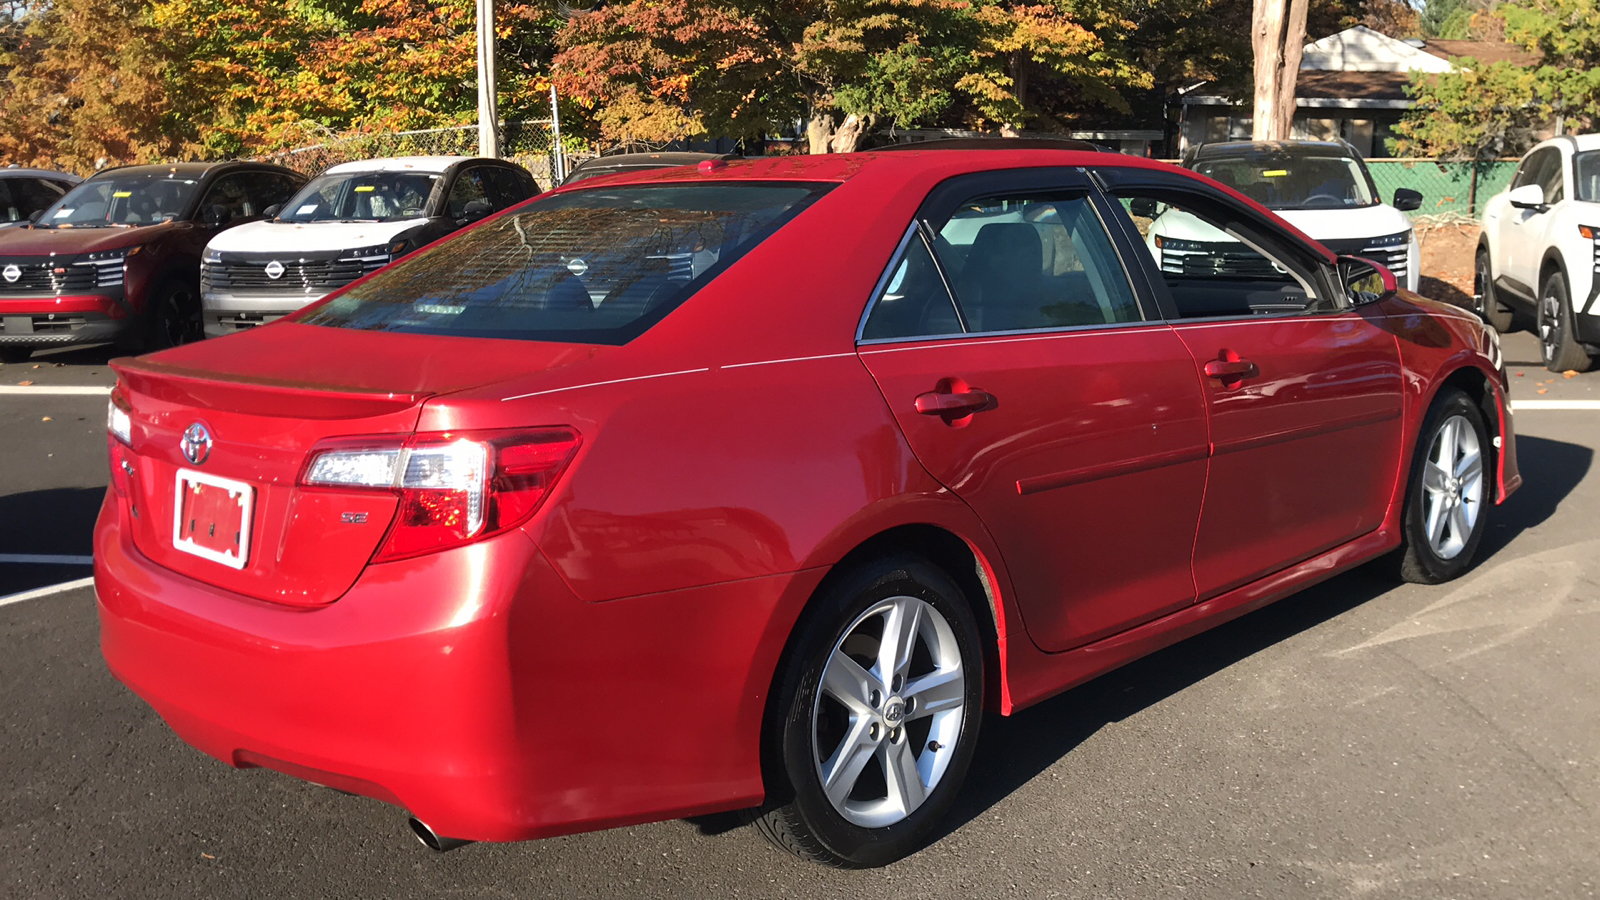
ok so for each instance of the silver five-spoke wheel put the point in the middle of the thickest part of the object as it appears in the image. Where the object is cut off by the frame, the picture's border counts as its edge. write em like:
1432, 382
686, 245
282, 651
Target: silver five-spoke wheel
890, 705
1452, 484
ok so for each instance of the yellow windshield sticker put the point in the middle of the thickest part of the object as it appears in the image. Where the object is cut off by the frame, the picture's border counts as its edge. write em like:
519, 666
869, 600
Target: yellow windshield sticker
1274, 173
362, 189
121, 194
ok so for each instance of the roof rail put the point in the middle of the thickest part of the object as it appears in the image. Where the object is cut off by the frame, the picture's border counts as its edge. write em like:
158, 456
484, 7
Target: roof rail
992, 143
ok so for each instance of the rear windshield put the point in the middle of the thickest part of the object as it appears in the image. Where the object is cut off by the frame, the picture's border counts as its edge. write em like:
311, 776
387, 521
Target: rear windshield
597, 266
1293, 181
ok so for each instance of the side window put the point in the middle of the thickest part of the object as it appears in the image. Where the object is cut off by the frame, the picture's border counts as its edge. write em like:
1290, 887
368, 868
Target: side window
1553, 177
506, 187
1532, 170
228, 200
914, 302
1215, 265
29, 195
266, 189
1019, 263
469, 186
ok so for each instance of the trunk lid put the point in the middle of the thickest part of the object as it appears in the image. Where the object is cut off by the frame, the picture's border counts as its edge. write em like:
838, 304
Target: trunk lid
266, 398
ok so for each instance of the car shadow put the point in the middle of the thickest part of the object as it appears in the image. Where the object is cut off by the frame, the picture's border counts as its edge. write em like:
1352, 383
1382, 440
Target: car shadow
1012, 751
50, 522
1443, 291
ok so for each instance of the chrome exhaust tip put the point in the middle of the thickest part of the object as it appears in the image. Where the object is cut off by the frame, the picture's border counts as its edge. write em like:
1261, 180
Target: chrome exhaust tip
433, 841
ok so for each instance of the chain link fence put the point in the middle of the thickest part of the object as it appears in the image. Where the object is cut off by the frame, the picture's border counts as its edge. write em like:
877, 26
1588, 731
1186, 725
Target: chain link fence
1450, 190
527, 143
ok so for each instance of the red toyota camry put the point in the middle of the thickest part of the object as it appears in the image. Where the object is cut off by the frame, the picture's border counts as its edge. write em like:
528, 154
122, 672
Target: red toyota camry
761, 483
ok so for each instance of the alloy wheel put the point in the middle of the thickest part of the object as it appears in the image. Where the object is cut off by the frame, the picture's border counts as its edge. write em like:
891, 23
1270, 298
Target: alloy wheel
1452, 487
1550, 326
888, 712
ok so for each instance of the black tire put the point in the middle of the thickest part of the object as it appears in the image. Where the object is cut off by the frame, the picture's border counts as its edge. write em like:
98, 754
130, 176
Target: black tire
172, 315
1485, 302
1421, 560
800, 817
1558, 342
10, 354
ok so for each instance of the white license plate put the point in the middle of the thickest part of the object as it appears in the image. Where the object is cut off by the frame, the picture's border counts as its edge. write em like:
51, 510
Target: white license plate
211, 517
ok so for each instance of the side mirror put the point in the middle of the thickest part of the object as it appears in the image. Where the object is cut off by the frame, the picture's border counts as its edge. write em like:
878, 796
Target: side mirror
1366, 281
272, 211
476, 210
1143, 207
1406, 200
1529, 196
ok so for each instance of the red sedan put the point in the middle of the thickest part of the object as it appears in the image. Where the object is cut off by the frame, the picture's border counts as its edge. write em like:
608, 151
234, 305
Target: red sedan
759, 484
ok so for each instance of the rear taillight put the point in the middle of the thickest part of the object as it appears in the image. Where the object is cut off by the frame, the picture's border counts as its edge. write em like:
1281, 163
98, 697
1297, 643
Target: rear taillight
454, 487
119, 441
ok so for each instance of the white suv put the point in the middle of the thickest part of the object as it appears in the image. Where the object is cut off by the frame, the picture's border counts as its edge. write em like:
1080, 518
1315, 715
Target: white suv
1538, 252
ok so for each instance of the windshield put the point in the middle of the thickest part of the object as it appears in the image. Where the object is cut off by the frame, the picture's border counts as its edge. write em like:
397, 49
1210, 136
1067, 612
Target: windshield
361, 197
125, 199
595, 266
1293, 181
1586, 166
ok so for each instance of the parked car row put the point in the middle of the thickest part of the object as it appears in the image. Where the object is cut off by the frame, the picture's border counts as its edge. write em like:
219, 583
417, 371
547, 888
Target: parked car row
155, 256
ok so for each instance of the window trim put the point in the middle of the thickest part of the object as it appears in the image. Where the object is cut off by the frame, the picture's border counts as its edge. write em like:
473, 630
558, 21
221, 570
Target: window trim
947, 196
1321, 270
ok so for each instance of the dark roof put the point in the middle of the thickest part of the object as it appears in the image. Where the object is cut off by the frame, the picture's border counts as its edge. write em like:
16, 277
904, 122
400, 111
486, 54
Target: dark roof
1268, 149
191, 169
631, 162
1482, 51
22, 172
1320, 84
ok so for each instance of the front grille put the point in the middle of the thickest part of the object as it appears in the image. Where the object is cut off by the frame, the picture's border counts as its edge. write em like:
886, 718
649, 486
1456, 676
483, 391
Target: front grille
299, 276
1395, 259
1393, 252
16, 326
57, 276
1210, 260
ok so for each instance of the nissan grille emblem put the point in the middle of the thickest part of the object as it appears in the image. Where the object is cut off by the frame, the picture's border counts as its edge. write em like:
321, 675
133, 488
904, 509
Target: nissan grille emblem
195, 443
274, 270
12, 273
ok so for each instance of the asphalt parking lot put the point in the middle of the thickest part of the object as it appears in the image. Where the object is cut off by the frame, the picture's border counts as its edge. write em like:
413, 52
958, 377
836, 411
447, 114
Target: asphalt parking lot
1360, 739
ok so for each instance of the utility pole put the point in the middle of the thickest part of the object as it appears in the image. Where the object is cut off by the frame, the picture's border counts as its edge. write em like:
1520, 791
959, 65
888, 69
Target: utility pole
488, 116
558, 153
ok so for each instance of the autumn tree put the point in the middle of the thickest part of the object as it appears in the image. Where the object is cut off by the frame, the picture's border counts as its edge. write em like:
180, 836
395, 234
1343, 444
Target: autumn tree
659, 70
85, 86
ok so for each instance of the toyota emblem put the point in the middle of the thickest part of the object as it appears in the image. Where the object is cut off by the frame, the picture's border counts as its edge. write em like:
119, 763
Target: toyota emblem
195, 443
12, 273
274, 270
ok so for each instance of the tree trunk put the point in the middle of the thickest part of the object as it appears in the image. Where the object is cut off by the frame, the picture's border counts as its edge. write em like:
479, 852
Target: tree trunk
819, 131
1277, 34
849, 133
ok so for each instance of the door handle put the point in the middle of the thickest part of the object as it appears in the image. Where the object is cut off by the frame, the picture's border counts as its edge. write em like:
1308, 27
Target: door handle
1231, 369
954, 404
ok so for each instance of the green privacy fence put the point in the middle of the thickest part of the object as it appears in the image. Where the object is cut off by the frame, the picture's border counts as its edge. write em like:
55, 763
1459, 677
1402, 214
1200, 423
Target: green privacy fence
1446, 187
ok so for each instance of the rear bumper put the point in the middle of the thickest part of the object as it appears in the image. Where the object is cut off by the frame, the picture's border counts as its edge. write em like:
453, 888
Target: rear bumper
470, 687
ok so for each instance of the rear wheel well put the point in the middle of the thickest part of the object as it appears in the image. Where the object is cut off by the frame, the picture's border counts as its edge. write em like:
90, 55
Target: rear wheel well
951, 554
941, 548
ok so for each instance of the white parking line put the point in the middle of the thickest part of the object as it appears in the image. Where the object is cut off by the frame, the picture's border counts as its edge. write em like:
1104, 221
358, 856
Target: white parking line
47, 591
1520, 405
46, 559
56, 390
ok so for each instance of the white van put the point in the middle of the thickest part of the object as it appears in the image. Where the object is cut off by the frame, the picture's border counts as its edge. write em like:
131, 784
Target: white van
351, 220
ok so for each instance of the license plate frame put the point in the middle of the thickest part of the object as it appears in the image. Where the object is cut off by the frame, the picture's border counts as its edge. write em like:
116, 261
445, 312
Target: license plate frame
190, 485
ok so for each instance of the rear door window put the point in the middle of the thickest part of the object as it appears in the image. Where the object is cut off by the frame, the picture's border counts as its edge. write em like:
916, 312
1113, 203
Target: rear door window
596, 266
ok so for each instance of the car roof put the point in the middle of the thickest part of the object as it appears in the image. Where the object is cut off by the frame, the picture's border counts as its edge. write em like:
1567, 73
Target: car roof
190, 169
431, 164
1582, 142
20, 172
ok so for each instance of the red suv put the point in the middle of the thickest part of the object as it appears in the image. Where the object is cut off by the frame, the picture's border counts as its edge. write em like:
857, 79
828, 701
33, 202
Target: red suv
763, 483
118, 257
